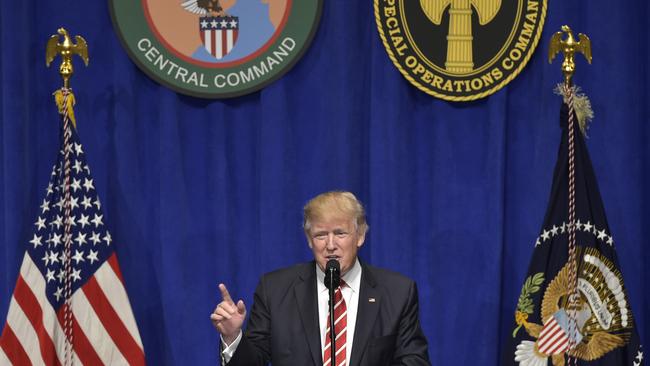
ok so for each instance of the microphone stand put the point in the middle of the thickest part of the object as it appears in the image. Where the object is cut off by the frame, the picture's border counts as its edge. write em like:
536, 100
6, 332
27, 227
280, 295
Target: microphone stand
332, 320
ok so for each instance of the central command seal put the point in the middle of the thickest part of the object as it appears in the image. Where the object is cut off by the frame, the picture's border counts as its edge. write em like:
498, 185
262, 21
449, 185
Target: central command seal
215, 48
460, 50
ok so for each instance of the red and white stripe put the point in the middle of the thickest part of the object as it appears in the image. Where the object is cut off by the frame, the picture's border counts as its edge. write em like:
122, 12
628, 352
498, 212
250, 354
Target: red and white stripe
340, 328
553, 339
219, 42
105, 332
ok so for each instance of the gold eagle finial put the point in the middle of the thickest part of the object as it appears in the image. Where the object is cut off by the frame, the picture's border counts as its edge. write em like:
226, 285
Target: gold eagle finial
66, 49
569, 47
64, 97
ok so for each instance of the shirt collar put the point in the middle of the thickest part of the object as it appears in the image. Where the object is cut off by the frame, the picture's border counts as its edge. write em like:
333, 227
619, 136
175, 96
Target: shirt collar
352, 278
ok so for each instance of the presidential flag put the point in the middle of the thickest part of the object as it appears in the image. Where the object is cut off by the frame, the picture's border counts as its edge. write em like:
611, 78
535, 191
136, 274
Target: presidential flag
573, 308
70, 305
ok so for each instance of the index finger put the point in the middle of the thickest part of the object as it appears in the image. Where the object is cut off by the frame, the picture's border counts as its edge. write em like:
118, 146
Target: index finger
225, 295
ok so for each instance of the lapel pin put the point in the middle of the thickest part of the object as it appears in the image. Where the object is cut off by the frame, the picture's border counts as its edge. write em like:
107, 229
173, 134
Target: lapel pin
371, 299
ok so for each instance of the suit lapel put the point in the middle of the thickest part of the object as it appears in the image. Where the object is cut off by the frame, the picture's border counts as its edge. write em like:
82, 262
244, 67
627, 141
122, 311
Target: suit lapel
366, 314
307, 300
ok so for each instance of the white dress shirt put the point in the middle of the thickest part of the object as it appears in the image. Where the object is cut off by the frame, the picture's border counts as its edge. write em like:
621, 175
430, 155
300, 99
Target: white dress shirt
351, 296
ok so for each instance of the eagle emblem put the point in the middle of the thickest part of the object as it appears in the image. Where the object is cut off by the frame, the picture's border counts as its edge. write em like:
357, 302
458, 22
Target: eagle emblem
600, 322
218, 30
203, 7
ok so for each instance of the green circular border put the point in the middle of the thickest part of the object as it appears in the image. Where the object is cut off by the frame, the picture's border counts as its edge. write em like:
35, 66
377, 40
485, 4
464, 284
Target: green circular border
454, 98
129, 14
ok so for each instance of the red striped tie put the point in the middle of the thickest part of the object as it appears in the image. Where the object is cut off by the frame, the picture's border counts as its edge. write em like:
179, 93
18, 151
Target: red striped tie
340, 326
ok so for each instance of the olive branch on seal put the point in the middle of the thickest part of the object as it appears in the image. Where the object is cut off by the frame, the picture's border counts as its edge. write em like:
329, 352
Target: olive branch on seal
525, 306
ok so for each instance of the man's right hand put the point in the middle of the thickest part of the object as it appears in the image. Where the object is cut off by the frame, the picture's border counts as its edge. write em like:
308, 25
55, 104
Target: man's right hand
228, 317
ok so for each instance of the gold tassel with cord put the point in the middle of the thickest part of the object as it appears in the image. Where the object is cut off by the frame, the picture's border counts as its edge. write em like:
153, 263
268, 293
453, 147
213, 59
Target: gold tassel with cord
581, 105
59, 99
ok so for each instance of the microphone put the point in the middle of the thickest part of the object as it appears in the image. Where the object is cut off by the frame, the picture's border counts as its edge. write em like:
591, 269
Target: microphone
332, 281
332, 274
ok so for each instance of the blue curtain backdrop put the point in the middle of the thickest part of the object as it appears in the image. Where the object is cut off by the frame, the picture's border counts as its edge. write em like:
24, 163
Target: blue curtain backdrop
198, 192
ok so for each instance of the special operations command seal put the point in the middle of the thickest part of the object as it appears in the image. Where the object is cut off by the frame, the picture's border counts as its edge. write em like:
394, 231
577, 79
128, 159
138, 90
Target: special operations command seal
215, 48
460, 50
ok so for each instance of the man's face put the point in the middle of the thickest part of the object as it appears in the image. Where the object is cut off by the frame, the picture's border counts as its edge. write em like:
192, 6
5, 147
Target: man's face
335, 238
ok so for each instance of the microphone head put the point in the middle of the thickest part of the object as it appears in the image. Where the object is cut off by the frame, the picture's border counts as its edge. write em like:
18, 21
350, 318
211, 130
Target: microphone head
332, 274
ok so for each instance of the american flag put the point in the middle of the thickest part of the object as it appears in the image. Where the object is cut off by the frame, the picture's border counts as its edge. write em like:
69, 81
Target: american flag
95, 314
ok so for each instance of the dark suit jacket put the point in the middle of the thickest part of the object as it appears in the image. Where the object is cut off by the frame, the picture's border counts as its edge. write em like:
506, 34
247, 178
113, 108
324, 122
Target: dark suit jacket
283, 325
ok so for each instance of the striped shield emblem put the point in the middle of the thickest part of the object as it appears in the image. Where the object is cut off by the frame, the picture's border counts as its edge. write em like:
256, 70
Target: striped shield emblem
554, 338
219, 34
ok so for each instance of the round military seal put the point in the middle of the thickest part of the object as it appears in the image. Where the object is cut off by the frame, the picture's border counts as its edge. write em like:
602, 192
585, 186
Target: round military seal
460, 50
215, 48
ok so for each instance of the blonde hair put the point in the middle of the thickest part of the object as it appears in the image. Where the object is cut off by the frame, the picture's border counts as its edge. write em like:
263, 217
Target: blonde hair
335, 202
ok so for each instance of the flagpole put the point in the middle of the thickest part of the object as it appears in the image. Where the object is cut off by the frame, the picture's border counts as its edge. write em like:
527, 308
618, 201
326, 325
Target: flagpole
64, 99
569, 47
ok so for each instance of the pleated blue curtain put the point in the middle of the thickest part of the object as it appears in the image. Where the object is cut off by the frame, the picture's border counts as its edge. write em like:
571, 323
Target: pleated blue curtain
198, 192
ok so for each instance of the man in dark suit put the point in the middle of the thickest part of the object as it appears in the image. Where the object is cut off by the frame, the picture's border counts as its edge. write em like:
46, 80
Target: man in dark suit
376, 310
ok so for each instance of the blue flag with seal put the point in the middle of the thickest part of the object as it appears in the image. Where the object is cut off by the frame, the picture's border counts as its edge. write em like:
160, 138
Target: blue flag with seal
573, 308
